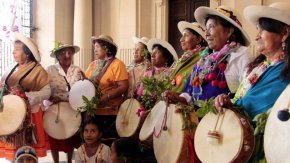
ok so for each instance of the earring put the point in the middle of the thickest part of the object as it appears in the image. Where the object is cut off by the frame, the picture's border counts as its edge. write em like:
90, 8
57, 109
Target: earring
283, 46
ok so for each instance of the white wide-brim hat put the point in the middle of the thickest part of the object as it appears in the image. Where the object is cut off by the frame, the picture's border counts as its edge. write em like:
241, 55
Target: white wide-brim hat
30, 44
224, 12
182, 25
164, 44
63, 46
278, 11
143, 40
104, 38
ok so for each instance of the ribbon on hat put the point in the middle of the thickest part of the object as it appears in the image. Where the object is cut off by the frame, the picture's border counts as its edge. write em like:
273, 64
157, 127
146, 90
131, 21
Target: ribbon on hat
229, 14
57, 45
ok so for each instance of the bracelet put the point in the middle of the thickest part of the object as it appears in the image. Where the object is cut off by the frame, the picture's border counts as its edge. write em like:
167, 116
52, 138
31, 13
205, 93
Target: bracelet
108, 96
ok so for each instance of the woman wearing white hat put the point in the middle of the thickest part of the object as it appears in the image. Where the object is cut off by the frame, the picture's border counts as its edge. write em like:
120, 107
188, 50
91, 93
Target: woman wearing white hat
110, 75
63, 75
269, 74
192, 42
140, 64
30, 81
163, 56
222, 64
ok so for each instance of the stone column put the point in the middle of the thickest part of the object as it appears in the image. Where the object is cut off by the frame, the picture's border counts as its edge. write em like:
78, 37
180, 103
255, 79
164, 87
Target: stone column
83, 32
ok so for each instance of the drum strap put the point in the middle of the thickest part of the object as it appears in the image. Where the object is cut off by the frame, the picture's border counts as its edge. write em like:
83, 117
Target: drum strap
109, 61
67, 83
1, 97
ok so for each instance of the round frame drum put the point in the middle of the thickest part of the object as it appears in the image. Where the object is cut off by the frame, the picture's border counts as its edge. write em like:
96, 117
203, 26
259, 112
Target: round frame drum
127, 122
171, 145
277, 132
78, 90
13, 114
236, 143
60, 121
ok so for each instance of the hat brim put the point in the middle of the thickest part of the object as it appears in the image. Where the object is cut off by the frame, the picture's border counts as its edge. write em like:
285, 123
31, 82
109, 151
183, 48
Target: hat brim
94, 39
30, 44
182, 25
26, 154
136, 40
254, 13
201, 13
164, 44
76, 48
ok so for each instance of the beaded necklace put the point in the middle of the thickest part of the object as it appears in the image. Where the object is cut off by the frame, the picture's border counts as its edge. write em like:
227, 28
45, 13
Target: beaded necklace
210, 68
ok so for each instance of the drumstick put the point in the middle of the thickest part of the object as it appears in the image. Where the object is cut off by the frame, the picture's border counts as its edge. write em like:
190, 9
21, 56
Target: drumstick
57, 115
165, 115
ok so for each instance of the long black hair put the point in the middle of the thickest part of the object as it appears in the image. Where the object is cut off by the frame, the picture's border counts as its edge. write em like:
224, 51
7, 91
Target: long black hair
274, 26
165, 53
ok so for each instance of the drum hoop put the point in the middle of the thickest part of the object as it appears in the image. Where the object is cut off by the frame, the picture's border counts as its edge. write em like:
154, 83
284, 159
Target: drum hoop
24, 115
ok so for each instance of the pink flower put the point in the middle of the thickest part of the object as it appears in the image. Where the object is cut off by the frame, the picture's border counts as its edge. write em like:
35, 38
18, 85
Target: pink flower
140, 90
140, 112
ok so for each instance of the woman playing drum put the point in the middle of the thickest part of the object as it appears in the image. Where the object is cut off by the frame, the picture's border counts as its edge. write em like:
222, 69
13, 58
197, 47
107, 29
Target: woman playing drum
217, 72
140, 64
269, 74
30, 81
192, 42
110, 75
63, 75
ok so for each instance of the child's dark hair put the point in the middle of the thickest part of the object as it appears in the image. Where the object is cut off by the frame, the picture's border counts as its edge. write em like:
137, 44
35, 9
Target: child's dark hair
94, 122
127, 149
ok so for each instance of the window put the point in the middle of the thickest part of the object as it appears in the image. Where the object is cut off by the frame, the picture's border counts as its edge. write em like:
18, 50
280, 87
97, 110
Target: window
16, 16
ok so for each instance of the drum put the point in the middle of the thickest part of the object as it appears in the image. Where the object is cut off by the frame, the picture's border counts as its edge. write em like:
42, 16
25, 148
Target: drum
78, 90
170, 141
277, 132
60, 121
12, 115
127, 122
226, 137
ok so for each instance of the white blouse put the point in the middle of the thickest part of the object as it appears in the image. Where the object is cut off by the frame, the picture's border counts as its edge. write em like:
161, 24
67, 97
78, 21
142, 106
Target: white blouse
61, 81
103, 153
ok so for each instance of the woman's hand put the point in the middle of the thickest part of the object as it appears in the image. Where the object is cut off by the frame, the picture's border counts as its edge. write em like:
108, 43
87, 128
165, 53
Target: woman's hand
222, 101
174, 97
81, 75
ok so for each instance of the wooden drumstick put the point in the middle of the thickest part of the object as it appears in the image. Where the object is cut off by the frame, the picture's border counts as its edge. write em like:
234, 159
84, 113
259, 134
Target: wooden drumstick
57, 115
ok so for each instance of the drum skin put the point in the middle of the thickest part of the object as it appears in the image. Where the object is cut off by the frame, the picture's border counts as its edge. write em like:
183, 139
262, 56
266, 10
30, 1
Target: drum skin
13, 115
78, 90
68, 124
237, 139
171, 145
150, 122
128, 121
277, 133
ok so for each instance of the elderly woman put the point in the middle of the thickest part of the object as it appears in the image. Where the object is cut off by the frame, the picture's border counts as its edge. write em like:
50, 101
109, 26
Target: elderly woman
30, 81
269, 74
192, 42
140, 64
163, 56
223, 62
63, 76
110, 75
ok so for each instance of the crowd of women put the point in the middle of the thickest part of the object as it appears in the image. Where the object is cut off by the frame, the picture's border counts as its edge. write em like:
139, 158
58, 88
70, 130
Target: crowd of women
216, 63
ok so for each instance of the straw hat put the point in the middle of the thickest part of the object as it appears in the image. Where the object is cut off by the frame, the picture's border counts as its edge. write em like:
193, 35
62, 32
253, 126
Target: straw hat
60, 46
182, 25
105, 38
29, 43
278, 11
143, 40
224, 12
164, 44
25, 151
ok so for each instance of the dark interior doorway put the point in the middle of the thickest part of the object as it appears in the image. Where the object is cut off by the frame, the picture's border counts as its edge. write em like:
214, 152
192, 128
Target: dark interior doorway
181, 10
